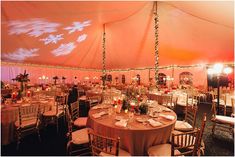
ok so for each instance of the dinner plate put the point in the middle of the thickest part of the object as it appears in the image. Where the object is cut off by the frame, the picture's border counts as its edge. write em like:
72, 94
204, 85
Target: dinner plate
154, 115
141, 120
119, 118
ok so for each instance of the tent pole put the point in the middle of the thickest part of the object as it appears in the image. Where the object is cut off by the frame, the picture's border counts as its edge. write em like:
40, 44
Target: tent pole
103, 59
156, 44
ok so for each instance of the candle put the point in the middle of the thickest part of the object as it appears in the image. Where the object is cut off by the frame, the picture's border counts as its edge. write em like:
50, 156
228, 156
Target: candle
119, 101
132, 105
28, 93
13, 95
126, 110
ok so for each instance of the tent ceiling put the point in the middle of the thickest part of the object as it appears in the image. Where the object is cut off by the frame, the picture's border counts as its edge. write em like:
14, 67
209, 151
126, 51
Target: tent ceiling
70, 33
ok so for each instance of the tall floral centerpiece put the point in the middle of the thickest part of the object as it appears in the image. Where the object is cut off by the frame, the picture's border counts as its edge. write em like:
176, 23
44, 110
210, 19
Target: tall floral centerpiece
55, 78
22, 79
63, 79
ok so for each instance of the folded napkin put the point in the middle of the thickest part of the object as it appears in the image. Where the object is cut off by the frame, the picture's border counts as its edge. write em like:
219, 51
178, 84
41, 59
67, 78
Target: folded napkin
121, 123
154, 123
169, 117
44, 101
97, 115
25, 105
96, 107
19, 101
82, 98
100, 107
166, 109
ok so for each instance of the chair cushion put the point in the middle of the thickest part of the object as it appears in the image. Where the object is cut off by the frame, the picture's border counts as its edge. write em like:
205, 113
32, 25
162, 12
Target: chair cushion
26, 123
192, 101
225, 119
161, 150
121, 153
181, 103
183, 126
80, 136
168, 104
80, 122
92, 101
52, 113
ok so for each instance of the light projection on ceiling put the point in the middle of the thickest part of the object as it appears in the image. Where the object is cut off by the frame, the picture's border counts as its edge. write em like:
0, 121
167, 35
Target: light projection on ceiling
77, 26
32, 27
49, 33
21, 54
64, 49
82, 38
52, 39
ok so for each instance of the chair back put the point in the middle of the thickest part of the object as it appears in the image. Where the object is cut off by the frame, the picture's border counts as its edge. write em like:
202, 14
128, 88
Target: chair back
203, 124
167, 100
28, 113
103, 145
183, 141
213, 109
191, 114
60, 101
94, 100
69, 125
232, 103
74, 110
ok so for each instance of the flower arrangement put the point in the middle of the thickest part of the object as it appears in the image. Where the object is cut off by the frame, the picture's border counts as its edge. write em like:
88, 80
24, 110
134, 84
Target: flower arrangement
143, 108
22, 77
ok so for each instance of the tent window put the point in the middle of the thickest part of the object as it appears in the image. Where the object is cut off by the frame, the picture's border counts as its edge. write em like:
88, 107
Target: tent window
162, 79
186, 78
138, 79
123, 79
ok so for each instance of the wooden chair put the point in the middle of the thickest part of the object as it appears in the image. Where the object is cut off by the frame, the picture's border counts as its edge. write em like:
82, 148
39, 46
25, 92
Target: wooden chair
232, 102
229, 110
52, 116
77, 121
78, 141
221, 122
180, 144
94, 100
62, 105
201, 145
189, 121
105, 146
28, 122
167, 100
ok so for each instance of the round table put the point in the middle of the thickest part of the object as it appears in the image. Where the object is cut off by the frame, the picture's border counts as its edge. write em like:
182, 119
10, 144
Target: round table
137, 137
9, 114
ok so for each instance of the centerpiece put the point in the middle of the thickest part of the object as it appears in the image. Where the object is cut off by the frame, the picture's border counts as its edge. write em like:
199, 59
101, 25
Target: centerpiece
55, 78
23, 79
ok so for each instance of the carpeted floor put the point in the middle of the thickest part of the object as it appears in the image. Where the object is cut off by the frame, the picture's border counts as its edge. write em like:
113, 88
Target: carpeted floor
222, 143
53, 144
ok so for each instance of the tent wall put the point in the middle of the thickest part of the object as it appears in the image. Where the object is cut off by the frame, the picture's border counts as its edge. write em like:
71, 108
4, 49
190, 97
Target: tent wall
199, 75
10, 72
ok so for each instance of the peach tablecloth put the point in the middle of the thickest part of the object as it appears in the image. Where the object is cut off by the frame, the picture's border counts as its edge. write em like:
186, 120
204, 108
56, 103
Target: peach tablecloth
9, 114
137, 137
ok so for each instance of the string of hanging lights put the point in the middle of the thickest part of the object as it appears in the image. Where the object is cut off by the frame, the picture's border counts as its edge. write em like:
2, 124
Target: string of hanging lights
103, 57
117, 70
156, 44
